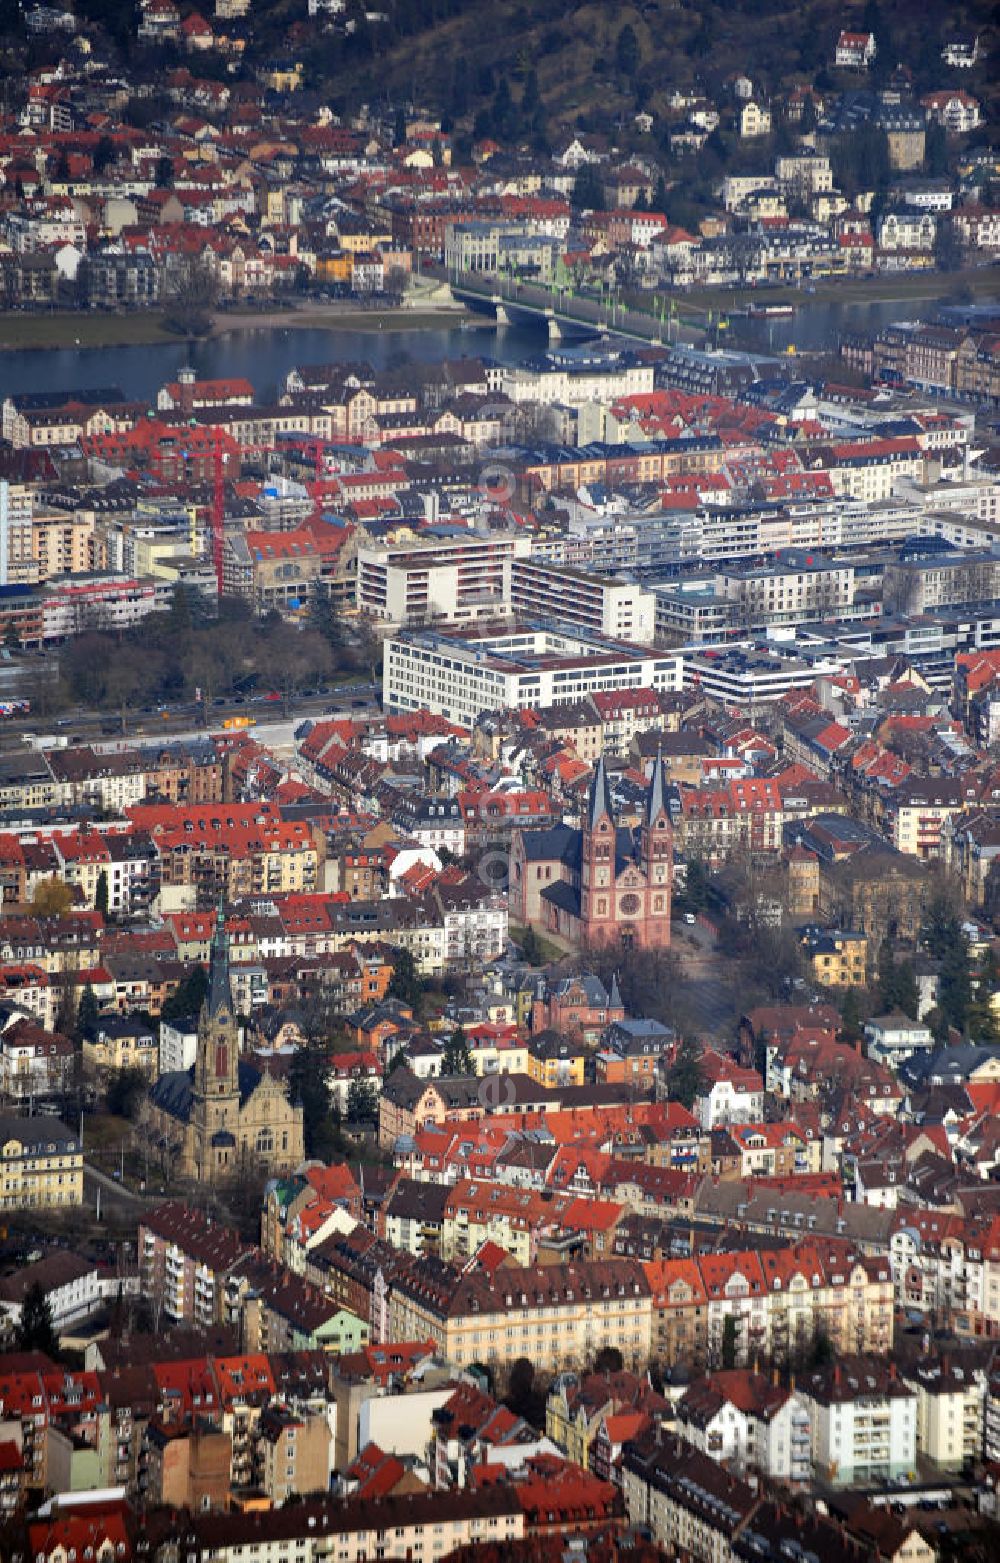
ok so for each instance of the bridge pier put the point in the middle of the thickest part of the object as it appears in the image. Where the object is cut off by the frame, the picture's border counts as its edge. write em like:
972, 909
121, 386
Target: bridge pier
555, 334
503, 319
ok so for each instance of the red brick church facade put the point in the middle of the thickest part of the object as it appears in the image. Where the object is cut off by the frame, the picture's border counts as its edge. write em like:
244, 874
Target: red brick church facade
602, 884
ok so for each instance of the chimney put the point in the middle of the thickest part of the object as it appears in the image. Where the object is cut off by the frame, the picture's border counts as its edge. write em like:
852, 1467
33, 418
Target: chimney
836, 1375
775, 1377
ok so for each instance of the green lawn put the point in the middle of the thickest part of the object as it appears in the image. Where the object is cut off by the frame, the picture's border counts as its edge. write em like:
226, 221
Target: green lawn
549, 951
104, 1131
81, 330
852, 290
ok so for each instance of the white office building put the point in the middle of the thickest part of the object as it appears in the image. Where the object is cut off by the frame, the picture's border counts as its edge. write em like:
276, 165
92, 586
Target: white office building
458, 675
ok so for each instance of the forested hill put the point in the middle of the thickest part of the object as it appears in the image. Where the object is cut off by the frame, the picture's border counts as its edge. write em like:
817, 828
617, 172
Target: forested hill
535, 67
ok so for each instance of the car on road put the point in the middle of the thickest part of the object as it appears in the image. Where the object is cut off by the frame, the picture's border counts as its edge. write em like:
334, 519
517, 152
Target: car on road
690, 919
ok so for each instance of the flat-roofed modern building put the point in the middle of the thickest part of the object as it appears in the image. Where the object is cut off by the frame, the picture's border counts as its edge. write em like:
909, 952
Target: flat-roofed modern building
500, 667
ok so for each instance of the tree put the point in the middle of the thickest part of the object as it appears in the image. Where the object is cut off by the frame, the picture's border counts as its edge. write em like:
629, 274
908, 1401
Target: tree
822, 1352
588, 192
608, 1360
195, 295
52, 897
729, 1341
126, 1089
325, 621
936, 150
296, 658
627, 52
524, 1396
35, 1331
983, 1020
104, 154
309, 1088
164, 171
456, 1058
188, 996
944, 937
362, 1102
88, 1016
696, 886
850, 1015
531, 948
405, 984
684, 1077
101, 893
947, 246
897, 984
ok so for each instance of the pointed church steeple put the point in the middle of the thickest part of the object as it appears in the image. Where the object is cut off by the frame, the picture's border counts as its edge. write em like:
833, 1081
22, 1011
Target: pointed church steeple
656, 801
615, 1001
219, 993
600, 797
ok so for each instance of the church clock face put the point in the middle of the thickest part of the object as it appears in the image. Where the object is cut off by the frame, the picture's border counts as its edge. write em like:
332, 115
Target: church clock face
630, 904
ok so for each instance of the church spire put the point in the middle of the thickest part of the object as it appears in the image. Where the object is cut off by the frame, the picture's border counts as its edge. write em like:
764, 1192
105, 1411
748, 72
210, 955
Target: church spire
219, 992
656, 802
600, 797
615, 1001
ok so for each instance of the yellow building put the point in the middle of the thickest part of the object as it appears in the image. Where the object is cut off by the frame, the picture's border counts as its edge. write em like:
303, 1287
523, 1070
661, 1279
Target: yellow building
334, 267
559, 1316
62, 544
555, 1060
283, 77
477, 1212
836, 959
41, 1164
122, 1043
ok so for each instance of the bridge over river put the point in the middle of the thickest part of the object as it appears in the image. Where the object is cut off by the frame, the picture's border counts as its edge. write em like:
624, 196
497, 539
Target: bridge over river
562, 312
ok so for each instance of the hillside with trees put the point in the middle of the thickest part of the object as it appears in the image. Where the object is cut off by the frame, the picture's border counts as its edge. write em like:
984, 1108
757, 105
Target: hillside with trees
526, 72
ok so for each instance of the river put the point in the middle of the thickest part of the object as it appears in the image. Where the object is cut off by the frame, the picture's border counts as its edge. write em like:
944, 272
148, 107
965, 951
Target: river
264, 355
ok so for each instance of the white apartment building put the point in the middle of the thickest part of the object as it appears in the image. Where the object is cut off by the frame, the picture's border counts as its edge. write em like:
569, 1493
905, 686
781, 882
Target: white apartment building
17, 566
748, 677
892, 1039
745, 1422
178, 1045
804, 175
789, 593
870, 471
572, 382
458, 676
596, 604
864, 1422
907, 230
444, 579
738, 189
950, 1407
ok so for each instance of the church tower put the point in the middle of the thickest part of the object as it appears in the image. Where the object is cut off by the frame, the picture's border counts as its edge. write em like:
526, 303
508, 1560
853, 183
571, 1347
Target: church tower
656, 853
597, 859
215, 1106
